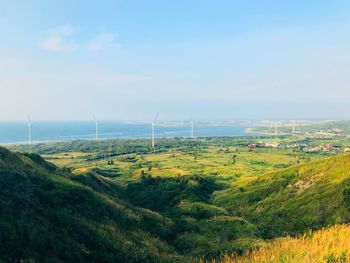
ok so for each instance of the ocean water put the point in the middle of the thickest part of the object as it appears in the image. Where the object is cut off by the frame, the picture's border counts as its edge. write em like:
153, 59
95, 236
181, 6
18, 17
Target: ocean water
42, 131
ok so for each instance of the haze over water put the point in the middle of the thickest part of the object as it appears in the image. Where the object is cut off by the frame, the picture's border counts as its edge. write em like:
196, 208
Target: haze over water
17, 132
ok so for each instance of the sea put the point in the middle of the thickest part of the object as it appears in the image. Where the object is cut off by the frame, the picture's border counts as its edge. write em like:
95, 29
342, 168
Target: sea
16, 132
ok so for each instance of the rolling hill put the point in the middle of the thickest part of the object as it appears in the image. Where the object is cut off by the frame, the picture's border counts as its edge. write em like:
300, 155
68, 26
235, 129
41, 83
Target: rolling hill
327, 245
308, 196
47, 215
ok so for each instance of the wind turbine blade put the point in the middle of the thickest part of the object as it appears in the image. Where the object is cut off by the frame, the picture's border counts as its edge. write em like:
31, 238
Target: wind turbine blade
154, 120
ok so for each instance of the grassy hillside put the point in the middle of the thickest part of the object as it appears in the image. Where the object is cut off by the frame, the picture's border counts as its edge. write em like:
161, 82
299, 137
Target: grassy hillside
329, 245
200, 199
47, 215
290, 201
52, 215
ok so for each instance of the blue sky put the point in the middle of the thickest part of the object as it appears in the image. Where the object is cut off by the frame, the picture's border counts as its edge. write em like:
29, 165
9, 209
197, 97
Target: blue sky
186, 59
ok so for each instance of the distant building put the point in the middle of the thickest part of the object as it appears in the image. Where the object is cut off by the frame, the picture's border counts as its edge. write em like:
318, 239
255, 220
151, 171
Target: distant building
337, 130
252, 146
328, 146
272, 144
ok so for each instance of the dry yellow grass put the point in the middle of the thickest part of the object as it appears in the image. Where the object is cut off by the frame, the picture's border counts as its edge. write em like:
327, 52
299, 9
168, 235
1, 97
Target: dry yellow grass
81, 170
326, 245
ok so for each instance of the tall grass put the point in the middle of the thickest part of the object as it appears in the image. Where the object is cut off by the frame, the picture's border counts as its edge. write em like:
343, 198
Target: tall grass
327, 245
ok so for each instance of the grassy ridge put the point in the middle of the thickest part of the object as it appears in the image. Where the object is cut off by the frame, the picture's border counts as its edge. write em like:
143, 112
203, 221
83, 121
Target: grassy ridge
47, 215
327, 245
290, 201
200, 198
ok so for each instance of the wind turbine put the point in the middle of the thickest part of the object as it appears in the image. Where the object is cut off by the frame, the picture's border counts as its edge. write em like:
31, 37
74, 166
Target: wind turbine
96, 129
192, 129
29, 130
153, 129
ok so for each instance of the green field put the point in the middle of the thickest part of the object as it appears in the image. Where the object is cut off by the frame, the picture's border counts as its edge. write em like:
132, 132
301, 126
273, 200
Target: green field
191, 199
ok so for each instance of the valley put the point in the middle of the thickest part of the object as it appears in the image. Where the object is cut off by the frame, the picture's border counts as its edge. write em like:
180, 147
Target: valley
195, 199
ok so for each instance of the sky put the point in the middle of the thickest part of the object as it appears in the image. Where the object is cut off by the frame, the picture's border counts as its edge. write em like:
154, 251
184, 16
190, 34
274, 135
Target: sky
199, 59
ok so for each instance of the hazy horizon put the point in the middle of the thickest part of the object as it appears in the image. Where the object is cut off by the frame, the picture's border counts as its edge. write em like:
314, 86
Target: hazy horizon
174, 121
127, 60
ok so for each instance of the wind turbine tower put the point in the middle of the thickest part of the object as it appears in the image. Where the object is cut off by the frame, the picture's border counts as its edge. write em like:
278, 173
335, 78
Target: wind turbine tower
96, 129
29, 130
293, 130
153, 129
192, 129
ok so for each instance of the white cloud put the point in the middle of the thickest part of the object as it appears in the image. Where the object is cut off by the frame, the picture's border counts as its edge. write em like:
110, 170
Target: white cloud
57, 40
99, 42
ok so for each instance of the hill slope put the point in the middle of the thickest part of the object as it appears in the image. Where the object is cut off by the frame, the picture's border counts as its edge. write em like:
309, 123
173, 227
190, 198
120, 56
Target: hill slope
326, 245
49, 216
311, 195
